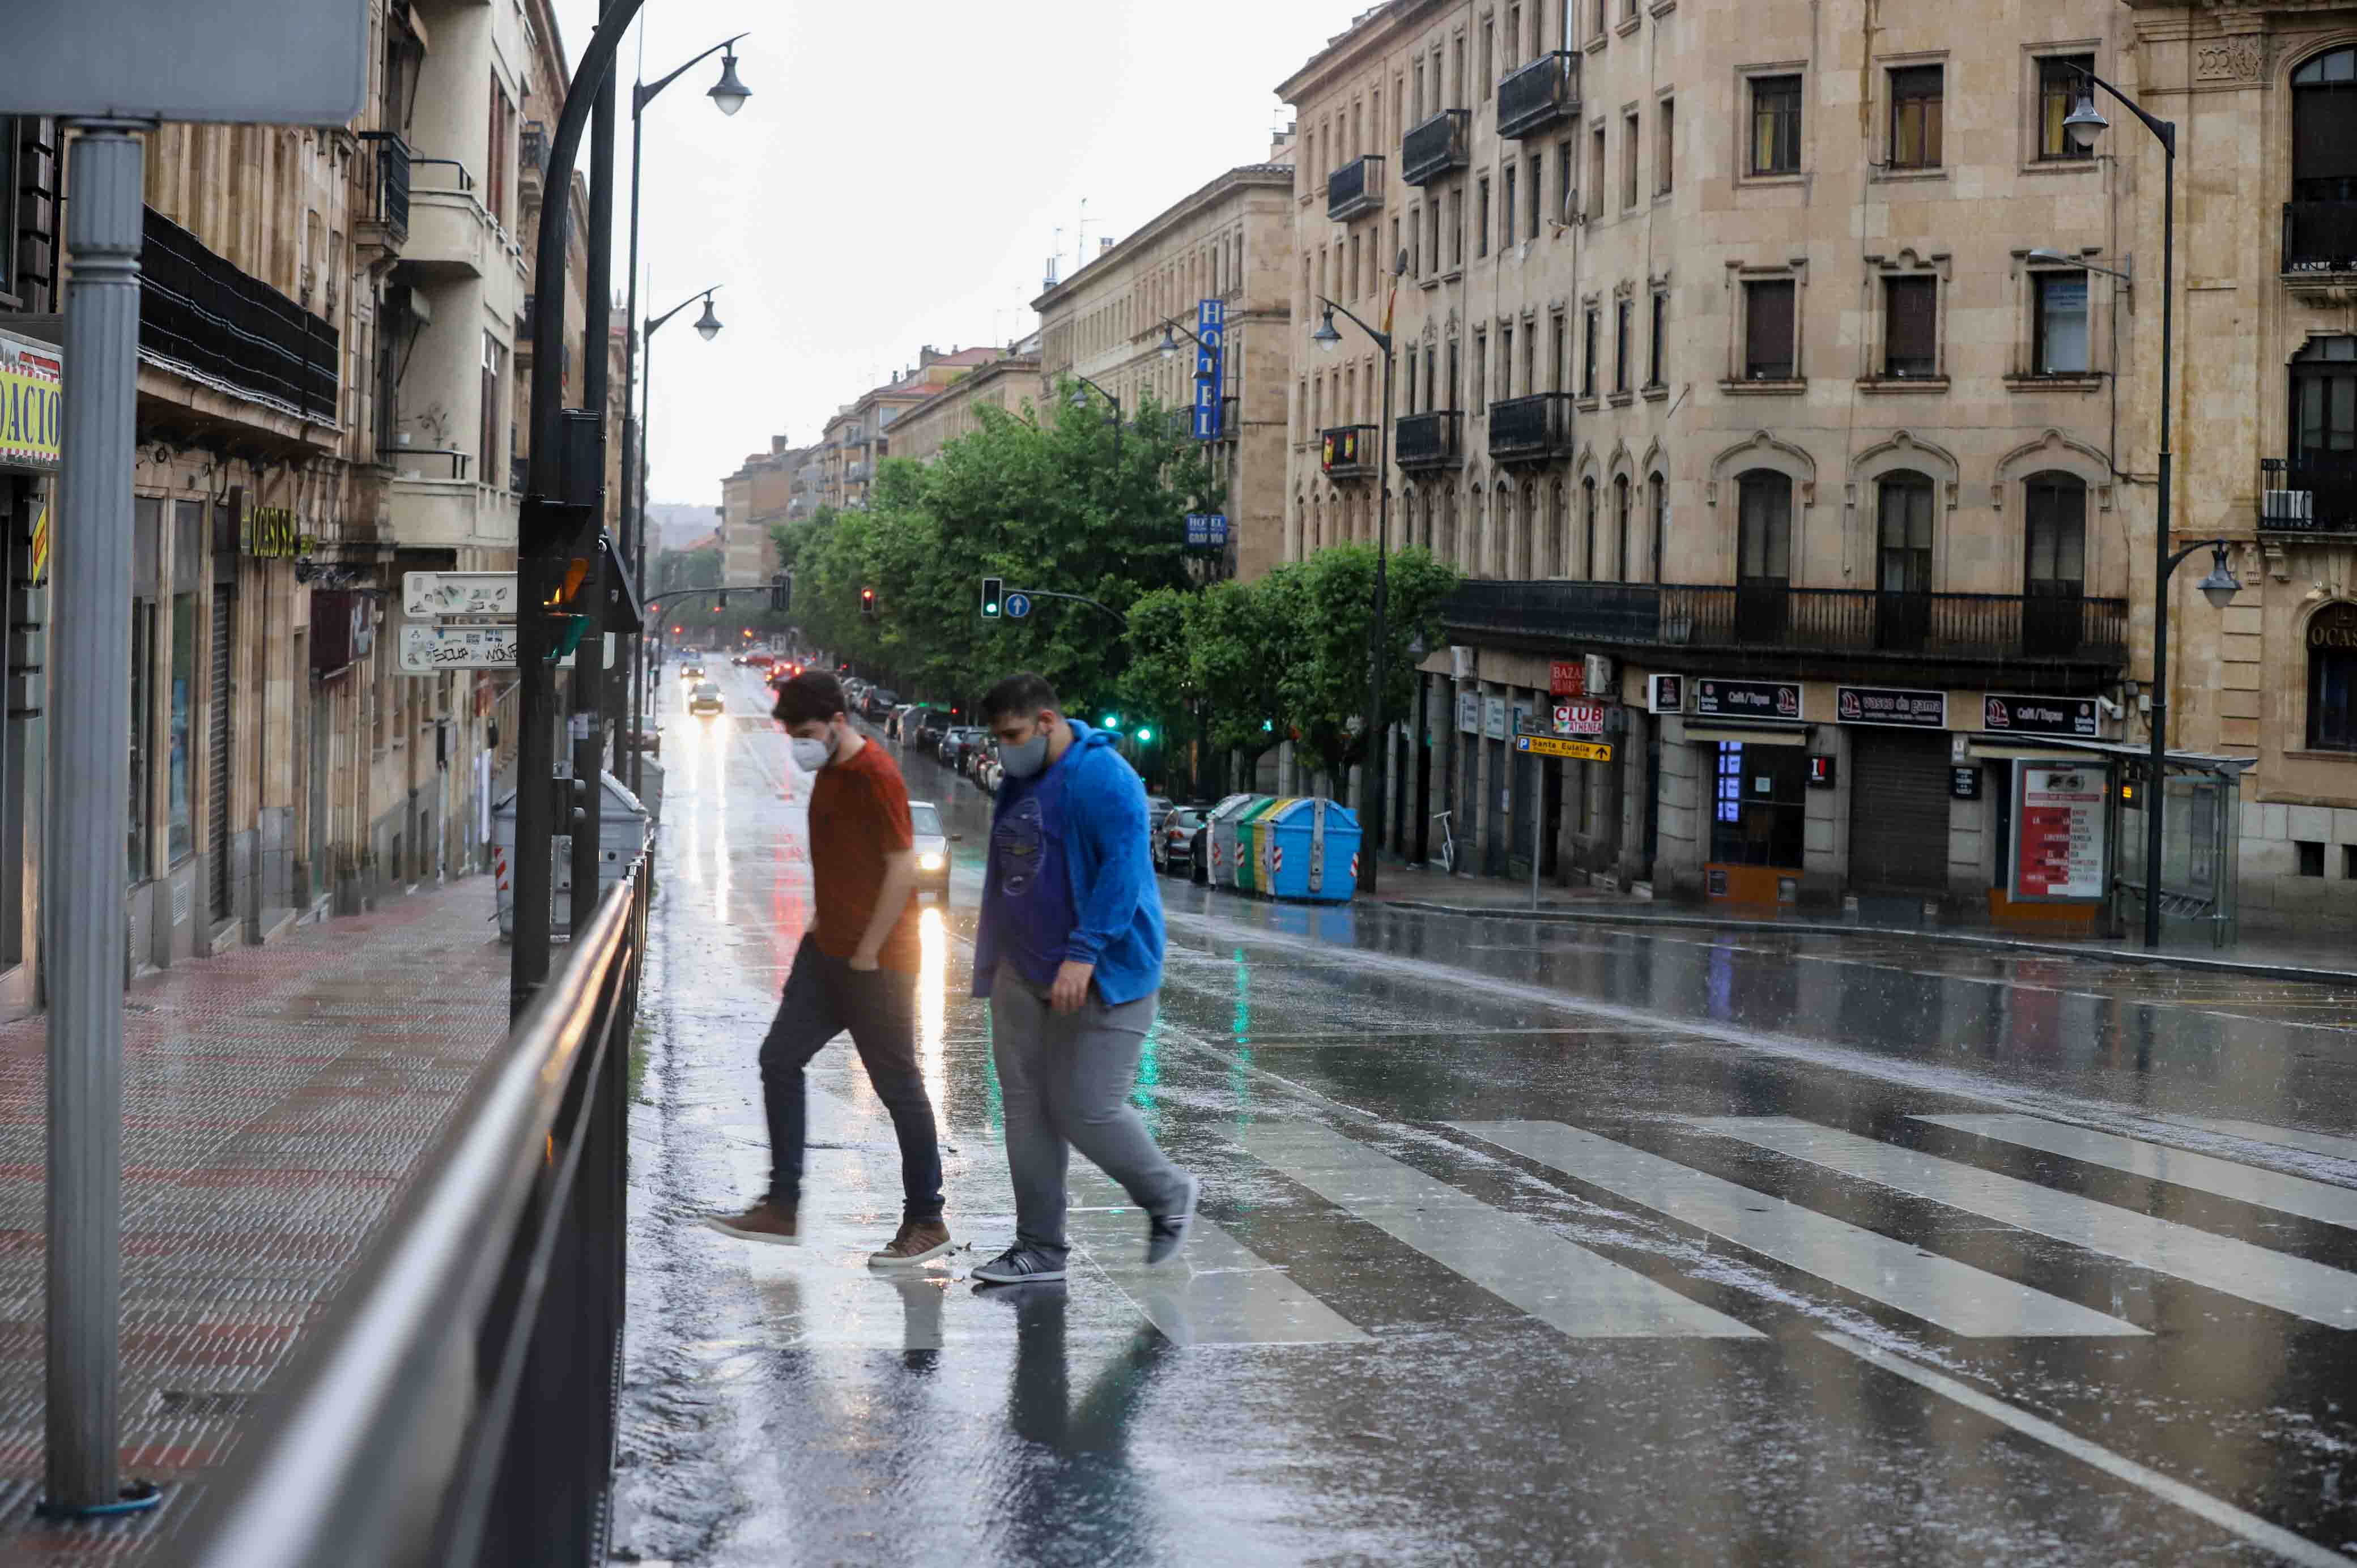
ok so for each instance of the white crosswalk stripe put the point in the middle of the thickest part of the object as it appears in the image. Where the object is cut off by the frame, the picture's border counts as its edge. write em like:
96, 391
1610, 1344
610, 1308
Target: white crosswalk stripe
2337, 1146
2279, 1279
2203, 1173
1565, 1285
1956, 1296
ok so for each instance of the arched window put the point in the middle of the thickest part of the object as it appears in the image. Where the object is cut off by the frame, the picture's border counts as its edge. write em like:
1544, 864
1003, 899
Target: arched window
1448, 546
2324, 129
1526, 529
1499, 550
1763, 555
1657, 507
1620, 529
1902, 570
1476, 531
1588, 531
2332, 679
2054, 563
1558, 544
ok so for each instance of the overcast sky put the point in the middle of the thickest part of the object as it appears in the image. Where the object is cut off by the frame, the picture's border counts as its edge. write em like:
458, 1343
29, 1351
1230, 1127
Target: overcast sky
898, 176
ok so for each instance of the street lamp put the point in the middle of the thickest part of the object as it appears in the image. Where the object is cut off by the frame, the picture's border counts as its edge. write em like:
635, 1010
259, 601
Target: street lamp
1080, 399
2083, 125
707, 326
1378, 747
727, 95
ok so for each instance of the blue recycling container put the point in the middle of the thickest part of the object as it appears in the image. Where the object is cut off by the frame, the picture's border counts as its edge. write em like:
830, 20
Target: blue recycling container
1312, 851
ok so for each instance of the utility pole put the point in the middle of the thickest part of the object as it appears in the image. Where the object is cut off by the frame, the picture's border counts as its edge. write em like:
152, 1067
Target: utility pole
592, 685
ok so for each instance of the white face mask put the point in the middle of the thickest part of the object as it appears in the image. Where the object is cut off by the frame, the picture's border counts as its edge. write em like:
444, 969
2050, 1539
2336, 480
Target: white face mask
810, 756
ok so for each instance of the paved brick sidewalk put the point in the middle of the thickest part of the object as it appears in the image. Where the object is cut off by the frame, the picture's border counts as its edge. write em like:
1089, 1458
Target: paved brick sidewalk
275, 1102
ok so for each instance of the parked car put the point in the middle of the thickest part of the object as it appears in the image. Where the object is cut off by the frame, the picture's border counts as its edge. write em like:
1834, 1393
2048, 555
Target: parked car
956, 743
758, 660
932, 725
931, 843
1156, 808
1173, 837
705, 702
880, 703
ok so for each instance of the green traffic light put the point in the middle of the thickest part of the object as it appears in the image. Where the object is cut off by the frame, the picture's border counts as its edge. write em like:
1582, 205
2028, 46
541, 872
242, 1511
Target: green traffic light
1112, 720
1146, 737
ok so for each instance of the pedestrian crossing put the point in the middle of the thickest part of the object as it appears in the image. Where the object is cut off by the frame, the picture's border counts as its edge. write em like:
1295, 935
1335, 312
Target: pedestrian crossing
1231, 1294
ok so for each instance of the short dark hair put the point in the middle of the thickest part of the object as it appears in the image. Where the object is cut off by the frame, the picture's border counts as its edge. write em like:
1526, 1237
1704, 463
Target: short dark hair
812, 695
1024, 692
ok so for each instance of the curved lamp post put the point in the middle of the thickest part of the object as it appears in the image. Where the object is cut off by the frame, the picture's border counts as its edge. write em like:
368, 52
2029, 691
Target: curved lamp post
1080, 399
1371, 823
707, 326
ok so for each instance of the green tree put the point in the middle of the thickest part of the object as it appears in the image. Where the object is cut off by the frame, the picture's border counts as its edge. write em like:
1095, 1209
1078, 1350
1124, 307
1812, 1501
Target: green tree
1332, 604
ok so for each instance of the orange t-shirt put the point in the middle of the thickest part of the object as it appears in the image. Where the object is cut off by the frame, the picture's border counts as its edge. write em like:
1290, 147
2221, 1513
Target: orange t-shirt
858, 815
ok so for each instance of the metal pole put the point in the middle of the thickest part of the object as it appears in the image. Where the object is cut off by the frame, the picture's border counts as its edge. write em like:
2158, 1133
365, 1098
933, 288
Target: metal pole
1378, 747
89, 802
593, 687
2155, 786
634, 499
547, 524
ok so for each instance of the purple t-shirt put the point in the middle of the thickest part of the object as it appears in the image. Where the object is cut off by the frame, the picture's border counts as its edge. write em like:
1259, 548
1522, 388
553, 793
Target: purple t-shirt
1033, 893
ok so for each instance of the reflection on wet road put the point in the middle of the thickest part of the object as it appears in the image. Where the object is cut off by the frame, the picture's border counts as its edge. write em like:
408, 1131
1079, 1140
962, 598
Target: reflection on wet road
1521, 1243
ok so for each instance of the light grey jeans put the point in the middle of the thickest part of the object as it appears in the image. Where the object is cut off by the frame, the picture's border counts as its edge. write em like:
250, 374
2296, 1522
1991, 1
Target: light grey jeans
1065, 1080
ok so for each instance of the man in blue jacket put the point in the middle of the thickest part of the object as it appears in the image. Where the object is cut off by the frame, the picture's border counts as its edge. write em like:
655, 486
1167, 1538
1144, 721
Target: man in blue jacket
1069, 952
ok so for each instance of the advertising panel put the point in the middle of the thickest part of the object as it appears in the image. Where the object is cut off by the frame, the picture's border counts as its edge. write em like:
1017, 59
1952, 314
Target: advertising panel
2060, 834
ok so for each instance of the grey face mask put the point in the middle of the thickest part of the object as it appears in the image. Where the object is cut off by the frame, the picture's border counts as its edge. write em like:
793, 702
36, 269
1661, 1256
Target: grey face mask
1023, 761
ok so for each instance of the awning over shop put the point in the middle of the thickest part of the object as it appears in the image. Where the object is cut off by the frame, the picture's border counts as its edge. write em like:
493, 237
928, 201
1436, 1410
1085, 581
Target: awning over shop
2008, 747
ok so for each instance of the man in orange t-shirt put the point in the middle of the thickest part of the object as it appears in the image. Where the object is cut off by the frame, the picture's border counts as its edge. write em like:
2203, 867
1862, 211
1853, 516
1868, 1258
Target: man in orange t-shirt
856, 970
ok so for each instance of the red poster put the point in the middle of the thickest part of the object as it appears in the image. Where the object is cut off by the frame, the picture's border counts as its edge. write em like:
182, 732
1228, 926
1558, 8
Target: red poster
2058, 850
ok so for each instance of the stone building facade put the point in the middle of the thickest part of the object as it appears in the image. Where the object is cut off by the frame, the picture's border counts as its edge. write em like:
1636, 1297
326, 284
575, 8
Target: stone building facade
858, 438
771, 488
1230, 241
1726, 350
1009, 384
2265, 99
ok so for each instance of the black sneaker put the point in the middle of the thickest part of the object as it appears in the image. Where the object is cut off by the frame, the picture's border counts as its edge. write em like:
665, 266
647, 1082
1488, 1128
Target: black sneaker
1018, 1265
1165, 1236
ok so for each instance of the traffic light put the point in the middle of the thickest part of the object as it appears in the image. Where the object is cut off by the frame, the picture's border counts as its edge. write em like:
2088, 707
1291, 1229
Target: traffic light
994, 598
781, 592
867, 604
565, 602
1146, 734
1112, 720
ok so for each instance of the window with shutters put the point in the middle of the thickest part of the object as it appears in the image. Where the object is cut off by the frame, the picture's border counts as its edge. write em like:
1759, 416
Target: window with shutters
1657, 348
1588, 326
2059, 323
1623, 312
1628, 144
1480, 372
1911, 343
1763, 528
1665, 147
1915, 94
1596, 173
1775, 139
2320, 221
2054, 562
1588, 531
1903, 509
1510, 210
1768, 335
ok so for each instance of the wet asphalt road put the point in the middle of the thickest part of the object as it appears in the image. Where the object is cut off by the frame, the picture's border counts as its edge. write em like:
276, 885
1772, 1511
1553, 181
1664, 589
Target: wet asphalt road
1522, 1244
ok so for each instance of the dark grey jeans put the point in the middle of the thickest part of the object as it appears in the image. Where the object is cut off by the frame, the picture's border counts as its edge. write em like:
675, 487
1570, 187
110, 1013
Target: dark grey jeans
1065, 1080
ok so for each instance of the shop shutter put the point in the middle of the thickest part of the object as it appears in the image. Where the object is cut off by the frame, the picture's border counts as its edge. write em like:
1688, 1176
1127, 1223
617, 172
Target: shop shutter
1899, 811
216, 743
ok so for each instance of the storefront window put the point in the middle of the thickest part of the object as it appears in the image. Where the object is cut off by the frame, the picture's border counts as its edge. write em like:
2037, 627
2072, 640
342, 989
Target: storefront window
1757, 811
182, 838
2332, 679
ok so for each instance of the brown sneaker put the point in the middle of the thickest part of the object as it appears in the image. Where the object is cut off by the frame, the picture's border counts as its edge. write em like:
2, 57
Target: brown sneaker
765, 1221
919, 1241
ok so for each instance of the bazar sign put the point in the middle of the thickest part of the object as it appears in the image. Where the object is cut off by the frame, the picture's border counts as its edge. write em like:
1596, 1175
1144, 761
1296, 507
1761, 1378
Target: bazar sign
2038, 715
1890, 705
32, 407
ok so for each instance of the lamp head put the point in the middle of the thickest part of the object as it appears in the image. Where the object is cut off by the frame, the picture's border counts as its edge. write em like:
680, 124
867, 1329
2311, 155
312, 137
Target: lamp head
2048, 253
728, 93
2084, 123
1326, 338
707, 326
2221, 585
1080, 398
1169, 350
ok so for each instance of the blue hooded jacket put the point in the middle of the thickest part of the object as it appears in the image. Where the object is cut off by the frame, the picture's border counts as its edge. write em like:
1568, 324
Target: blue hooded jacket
1116, 898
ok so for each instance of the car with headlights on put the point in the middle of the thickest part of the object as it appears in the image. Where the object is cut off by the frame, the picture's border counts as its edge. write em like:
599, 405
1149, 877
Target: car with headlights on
705, 701
931, 843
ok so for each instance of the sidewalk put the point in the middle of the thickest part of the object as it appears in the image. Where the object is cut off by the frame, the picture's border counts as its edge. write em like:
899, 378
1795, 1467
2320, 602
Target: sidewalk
275, 1100
2328, 959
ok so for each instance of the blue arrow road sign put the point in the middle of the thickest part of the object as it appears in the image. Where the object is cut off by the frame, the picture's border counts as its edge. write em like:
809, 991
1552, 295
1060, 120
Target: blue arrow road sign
1018, 605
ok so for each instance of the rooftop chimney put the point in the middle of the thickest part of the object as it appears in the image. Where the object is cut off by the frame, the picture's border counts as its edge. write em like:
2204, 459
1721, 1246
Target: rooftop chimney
1103, 245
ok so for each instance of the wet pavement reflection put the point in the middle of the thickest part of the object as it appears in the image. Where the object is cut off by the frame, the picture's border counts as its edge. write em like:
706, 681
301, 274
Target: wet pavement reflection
1520, 1243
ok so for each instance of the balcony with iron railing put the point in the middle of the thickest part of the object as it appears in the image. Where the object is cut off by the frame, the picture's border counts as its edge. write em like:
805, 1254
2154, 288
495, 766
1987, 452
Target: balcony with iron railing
1541, 94
383, 218
200, 313
2320, 242
2315, 492
1856, 624
1348, 451
1534, 429
1428, 440
1354, 188
1437, 146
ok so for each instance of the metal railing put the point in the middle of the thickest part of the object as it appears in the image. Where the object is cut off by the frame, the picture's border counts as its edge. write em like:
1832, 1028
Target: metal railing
1348, 451
1535, 426
2319, 237
1427, 440
457, 1405
1538, 95
2303, 495
1357, 186
200, 311
388, 158
1437, 145
2060, 627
